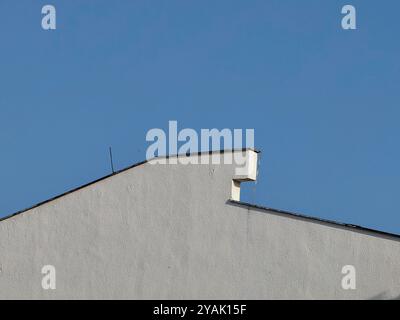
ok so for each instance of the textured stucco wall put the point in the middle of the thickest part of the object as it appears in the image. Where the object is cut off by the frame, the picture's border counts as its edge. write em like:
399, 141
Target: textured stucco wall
167, 231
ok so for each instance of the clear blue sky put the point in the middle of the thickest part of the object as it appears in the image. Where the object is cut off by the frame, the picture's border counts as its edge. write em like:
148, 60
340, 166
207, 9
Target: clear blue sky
324, 102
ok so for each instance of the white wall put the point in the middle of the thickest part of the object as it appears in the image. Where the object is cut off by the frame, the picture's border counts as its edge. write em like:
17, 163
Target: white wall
169, 232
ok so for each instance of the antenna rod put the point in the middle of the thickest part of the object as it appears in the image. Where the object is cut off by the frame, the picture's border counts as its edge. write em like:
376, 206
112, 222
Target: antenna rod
111, 160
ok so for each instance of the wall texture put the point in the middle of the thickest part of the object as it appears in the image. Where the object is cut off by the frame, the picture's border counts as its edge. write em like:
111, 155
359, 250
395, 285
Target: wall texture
170, 232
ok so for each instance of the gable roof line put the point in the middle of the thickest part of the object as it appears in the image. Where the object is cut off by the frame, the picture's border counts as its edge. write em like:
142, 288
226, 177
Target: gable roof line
118, 172
347, 226
239, 203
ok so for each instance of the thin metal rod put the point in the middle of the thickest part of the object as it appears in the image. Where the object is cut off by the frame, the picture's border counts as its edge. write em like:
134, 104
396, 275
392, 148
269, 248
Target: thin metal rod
111, 160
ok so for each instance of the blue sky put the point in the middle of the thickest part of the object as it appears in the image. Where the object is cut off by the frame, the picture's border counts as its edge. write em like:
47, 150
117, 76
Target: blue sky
324, 102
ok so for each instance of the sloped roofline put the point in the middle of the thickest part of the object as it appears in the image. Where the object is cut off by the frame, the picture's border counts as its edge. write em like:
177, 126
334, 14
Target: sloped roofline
120, 171
346, 226
288, 214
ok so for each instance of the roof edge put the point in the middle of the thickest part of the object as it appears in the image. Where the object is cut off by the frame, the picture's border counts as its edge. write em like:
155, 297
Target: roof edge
347, 226
8, 216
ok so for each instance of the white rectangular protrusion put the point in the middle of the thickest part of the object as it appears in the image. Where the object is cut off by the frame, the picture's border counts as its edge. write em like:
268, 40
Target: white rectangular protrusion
246, 165
245, 170
235, 193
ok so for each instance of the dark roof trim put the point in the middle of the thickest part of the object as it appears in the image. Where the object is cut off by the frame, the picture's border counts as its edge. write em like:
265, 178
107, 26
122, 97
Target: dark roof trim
346, 226
239, 203
71, 191
119, 171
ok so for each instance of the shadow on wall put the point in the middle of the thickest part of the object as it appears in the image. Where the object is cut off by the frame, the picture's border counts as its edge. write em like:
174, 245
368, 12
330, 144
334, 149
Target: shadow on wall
383, 296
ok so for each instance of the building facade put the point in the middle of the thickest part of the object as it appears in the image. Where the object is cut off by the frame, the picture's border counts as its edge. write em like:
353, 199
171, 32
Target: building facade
179, 231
